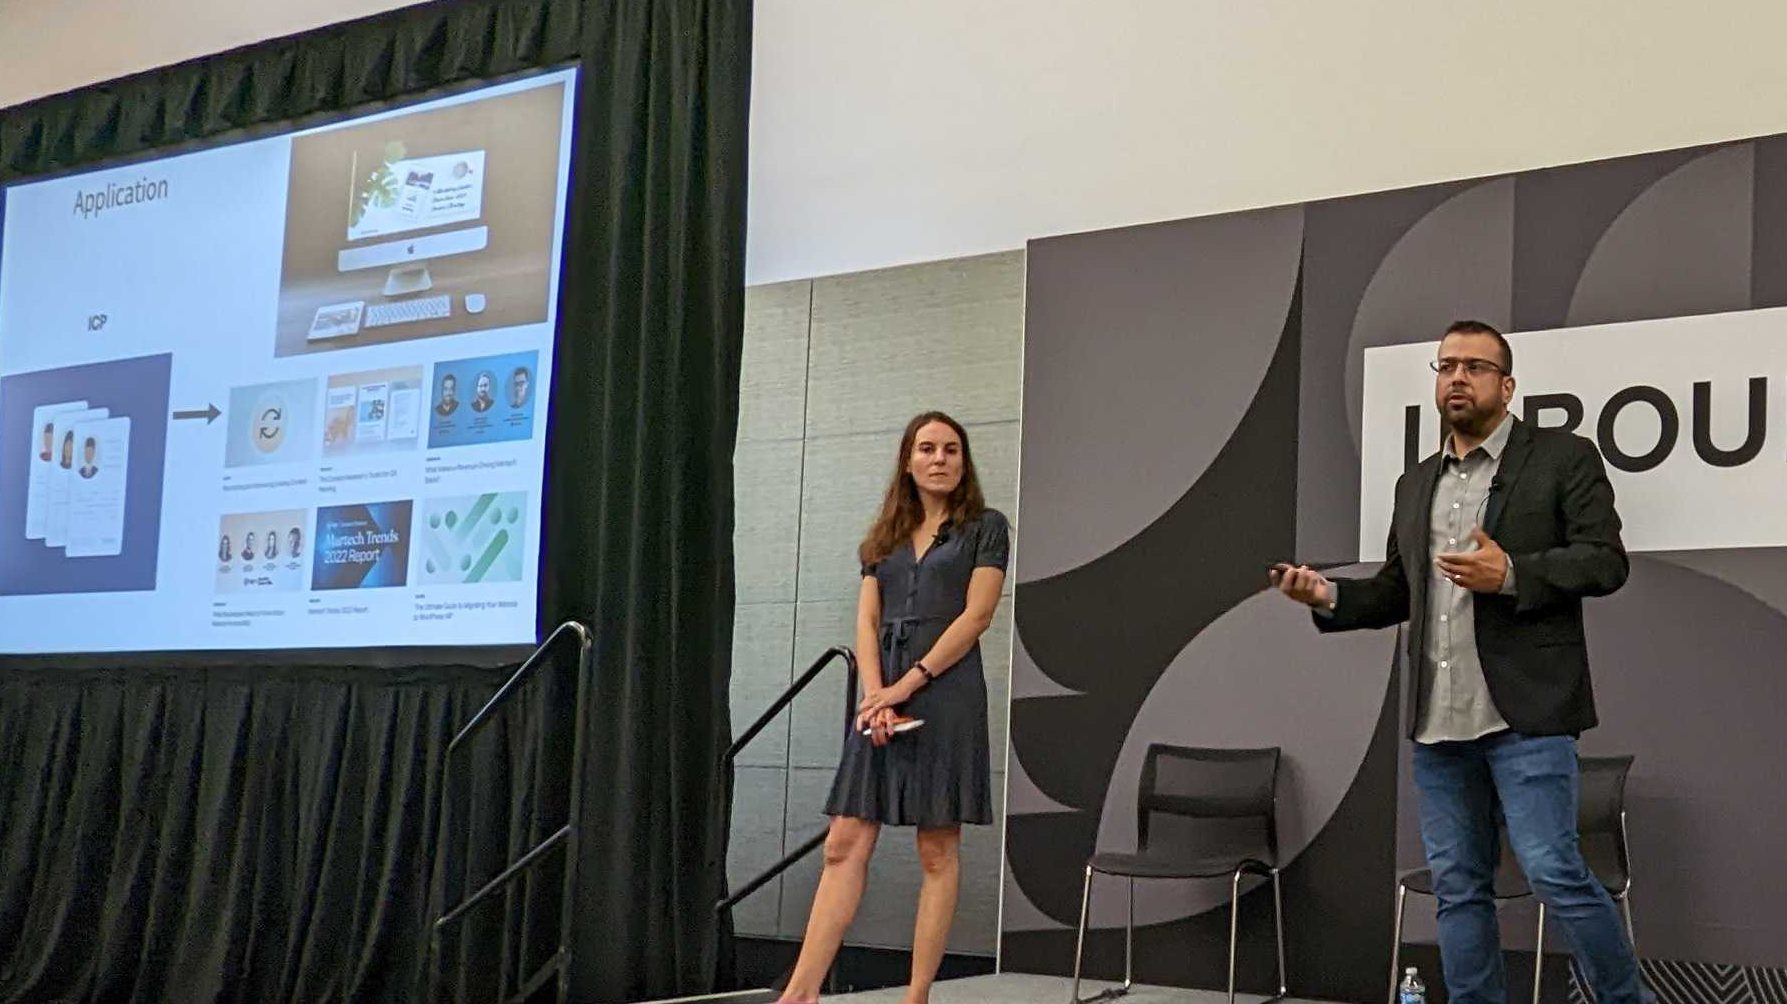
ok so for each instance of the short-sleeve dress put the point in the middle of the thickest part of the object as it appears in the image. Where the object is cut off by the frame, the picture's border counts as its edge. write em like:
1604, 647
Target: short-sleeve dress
938, 774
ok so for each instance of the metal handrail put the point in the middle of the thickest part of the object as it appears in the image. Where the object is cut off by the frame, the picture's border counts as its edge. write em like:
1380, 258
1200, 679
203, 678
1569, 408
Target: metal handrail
564, 838
763, 720
503, 877
527, 669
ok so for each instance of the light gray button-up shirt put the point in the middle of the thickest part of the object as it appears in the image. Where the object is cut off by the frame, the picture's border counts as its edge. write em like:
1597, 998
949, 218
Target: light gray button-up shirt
1458, 704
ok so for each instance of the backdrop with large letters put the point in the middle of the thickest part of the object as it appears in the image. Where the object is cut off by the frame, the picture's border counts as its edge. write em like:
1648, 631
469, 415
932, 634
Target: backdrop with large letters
1207, 396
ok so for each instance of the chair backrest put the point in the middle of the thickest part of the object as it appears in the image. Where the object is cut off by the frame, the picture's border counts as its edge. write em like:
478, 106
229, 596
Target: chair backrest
1232, 790
1600, 818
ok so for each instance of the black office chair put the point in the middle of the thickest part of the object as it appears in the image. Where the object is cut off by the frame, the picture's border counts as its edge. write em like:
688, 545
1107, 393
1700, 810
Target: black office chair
1601, 829
1601, 833
1200, 813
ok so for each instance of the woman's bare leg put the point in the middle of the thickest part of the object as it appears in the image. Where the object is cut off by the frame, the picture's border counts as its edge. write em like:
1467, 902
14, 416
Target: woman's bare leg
847, 849
939, 855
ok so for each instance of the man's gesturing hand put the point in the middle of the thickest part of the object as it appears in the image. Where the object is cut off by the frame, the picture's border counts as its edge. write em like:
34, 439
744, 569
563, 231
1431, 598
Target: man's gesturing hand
1482, 570
1303, 584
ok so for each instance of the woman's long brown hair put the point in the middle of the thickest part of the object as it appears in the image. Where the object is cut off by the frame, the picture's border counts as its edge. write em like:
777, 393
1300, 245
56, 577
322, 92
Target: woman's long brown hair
902, 511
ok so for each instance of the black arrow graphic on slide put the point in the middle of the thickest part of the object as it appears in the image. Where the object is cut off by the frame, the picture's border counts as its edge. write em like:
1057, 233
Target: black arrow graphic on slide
209, 413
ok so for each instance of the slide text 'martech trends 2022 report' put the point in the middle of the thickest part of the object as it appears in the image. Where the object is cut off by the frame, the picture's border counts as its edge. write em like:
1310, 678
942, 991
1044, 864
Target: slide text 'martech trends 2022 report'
286, 393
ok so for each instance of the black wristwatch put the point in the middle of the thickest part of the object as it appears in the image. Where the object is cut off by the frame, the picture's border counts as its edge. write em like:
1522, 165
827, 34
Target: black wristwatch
930, 677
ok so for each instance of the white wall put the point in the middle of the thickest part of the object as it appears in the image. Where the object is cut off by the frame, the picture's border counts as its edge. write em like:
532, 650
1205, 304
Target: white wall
886, 133
50, 46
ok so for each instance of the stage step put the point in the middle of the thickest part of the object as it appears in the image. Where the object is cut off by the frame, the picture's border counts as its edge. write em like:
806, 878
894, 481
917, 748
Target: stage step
764, 996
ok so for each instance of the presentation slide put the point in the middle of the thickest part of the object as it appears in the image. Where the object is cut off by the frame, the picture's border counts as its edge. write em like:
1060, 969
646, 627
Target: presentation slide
286, 393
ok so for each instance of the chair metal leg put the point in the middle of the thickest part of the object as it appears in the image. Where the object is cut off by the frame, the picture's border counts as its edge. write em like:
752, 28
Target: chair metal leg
1402, 895
1234, 927
1539, 954
1079, 944
1129, 940
1625, 905
1278, 922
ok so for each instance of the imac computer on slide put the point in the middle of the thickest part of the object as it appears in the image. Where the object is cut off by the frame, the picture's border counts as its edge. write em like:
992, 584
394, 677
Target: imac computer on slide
387, 204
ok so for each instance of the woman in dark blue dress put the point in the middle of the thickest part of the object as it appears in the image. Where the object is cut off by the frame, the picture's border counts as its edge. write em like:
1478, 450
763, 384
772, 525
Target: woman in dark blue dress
933, 565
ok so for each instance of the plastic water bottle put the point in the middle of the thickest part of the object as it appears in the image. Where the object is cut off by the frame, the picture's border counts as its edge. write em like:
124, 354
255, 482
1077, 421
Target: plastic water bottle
1411, 990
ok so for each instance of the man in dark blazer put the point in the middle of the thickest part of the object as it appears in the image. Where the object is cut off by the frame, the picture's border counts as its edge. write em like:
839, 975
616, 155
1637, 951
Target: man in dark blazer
1494, 544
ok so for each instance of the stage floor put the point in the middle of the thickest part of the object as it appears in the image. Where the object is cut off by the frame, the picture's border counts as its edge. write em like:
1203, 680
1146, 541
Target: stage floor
1017, 988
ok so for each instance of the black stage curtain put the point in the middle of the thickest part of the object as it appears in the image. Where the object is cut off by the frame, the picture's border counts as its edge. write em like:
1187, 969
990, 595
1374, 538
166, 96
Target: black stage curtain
642, 524
201, 835
265, 831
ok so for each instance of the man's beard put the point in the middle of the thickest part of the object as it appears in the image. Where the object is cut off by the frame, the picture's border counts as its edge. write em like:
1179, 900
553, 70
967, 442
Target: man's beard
1472, 421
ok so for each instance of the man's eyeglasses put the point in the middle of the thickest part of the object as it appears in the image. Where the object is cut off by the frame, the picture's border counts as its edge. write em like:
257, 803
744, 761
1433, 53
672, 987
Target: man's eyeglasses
1475, 367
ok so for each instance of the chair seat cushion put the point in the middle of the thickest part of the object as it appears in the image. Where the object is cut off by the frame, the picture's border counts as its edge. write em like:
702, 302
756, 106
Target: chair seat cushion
1507, 886
1159, 866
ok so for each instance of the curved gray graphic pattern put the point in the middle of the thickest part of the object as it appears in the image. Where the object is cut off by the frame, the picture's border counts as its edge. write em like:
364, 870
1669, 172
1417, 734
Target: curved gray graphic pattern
1761, 571
1457, 262
1022, 796
1145, 600
1221, 286
1027, 679
1261, 662
1682, 246
1688, 674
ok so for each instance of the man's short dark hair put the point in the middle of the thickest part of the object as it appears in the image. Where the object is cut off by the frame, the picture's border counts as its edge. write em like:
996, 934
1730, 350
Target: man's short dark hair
1481, 328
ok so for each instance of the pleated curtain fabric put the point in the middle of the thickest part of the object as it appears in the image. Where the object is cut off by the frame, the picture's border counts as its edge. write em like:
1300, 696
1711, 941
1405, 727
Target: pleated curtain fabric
265, 832
648, 540
222, 835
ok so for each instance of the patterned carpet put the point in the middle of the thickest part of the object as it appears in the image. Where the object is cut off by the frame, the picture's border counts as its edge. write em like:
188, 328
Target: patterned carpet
1702, 983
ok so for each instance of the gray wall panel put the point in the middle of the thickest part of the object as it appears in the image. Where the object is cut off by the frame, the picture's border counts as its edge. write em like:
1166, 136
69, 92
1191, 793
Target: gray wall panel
762, 646
766, 513
892, 342
773, 368
756, 844
845, 478
819, 711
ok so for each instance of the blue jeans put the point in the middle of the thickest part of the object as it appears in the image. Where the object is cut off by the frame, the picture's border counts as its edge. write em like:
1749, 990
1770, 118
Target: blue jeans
1531, 782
